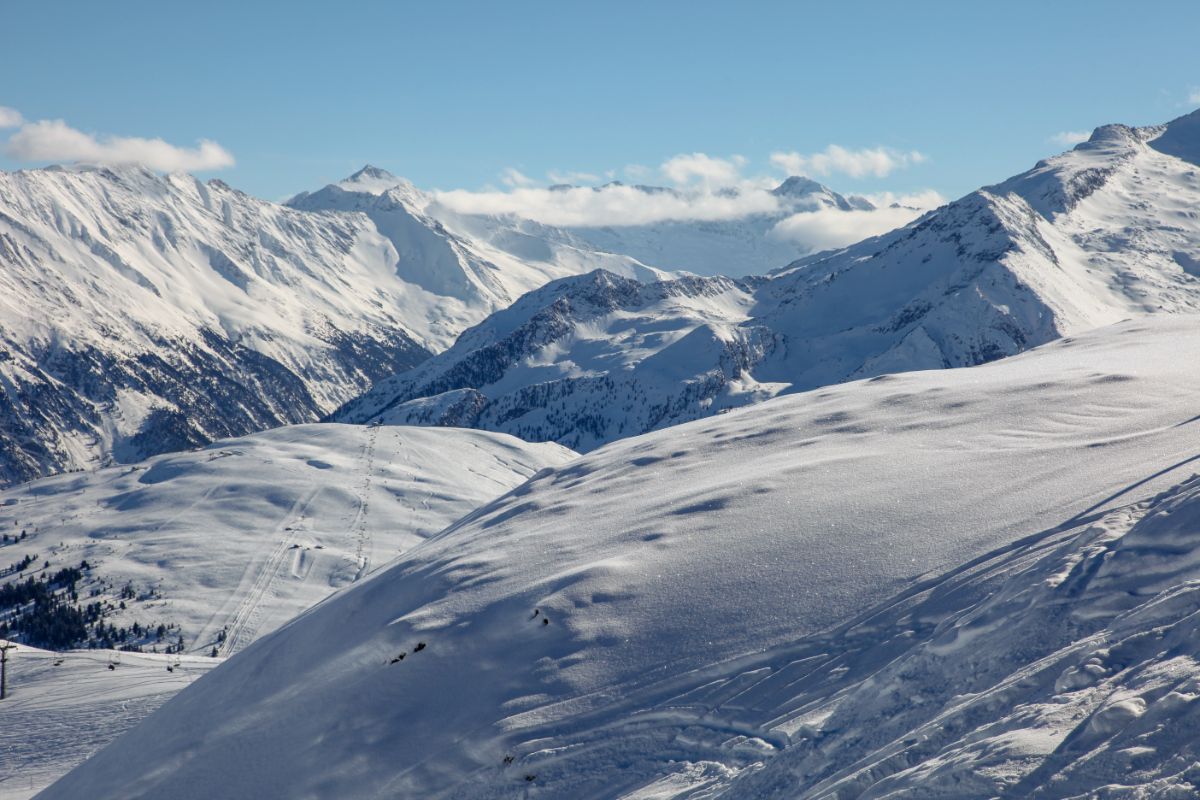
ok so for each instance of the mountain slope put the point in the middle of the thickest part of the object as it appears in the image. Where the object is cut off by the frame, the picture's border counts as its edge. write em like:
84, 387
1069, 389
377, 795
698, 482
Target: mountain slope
141, 314
484, 262
229, 542
1102, 233
959, 583
585, 359
64, 707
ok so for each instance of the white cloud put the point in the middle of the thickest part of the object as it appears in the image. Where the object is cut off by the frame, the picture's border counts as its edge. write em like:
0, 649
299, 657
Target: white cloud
10, 117
830, 228
572, 177
514, 177
54, 140
1194, 97
609, 205
705, 188
637, 172
923, 200
707, 170
878, 162
1070, 138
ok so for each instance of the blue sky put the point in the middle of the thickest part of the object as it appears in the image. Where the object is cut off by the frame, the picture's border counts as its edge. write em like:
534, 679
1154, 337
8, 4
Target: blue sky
453, 94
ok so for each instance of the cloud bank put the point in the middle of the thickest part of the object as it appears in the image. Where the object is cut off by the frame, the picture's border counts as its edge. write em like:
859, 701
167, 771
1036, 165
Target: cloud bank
56, 141
700, 187
829, 228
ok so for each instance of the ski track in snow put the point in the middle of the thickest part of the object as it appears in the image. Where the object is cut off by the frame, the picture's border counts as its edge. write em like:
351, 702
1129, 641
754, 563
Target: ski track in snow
241, 630
241, 536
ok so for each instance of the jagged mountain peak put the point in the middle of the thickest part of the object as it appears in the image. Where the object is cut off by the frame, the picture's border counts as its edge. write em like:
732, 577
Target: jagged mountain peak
371, 172
799, 186
809, 191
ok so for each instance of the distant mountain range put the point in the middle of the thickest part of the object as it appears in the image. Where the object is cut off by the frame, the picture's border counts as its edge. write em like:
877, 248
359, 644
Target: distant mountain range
1104, 232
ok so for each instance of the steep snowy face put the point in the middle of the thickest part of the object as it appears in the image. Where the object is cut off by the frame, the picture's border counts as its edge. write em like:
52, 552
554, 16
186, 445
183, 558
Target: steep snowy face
959, 583
584, 360
141, 314
745, 246
1105, 232
479, 263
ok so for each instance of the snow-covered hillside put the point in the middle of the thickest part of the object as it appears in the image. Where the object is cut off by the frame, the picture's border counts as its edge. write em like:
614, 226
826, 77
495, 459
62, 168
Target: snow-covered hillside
1105, 232
227, 543
63, 707
952, 583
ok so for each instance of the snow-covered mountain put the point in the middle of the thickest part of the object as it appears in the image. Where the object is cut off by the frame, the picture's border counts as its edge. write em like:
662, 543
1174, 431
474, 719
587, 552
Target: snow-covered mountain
483, 262
63, 707
1104, 232
585, 360
954, 583
748, 245
142, 314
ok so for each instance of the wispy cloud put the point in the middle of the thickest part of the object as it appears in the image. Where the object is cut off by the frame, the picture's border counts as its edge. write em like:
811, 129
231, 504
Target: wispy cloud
876, 162
1194, 97
510, 176
10, 117
1070, 138
54, 140
705, 169
572, 177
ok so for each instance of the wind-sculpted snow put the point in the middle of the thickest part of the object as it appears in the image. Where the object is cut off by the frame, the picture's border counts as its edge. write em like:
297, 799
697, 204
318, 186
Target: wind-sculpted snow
954, 583
1102, 233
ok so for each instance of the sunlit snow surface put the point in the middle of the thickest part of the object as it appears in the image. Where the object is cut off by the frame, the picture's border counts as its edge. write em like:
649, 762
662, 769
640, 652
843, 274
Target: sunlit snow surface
962, 583
63, 707
234, 539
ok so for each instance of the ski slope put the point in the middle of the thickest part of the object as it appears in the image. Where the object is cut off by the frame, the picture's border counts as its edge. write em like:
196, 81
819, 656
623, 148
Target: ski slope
241, 536
62, 707
955, 583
